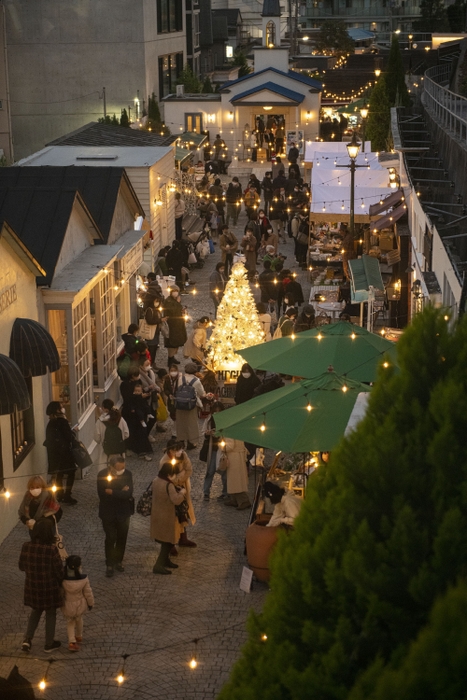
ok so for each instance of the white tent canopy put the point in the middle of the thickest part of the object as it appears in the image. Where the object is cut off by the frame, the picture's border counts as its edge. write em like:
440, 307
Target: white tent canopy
334, 201
314, 148
341, 178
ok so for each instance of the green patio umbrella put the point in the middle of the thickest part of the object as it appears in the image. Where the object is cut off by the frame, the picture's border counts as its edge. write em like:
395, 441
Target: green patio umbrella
308, 416
352, 107
346, 347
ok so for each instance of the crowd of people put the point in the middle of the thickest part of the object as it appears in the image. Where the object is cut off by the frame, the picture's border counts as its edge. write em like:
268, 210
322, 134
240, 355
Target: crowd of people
151, 394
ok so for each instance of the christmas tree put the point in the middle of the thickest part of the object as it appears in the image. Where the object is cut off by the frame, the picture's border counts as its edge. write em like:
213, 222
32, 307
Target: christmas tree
237, 324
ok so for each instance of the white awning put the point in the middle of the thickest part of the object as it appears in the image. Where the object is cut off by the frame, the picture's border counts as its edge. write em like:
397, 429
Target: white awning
334, 201
341, 177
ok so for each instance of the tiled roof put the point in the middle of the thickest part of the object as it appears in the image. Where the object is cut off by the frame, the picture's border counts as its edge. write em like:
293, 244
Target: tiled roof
95, 134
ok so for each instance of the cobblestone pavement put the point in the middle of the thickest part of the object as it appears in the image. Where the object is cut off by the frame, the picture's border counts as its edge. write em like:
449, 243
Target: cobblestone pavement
152, 618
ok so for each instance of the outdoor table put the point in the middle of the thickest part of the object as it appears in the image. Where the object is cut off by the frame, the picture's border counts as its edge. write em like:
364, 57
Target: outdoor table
332, 308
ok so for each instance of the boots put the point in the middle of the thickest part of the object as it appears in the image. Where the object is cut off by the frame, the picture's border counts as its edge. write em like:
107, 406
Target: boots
185, 542
173, 552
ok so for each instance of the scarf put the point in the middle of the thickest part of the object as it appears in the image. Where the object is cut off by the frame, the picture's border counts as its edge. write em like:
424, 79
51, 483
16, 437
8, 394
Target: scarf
47, 503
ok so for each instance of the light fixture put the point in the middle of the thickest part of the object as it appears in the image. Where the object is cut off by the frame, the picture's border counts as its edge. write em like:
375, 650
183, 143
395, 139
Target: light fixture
364, 112
378, 72
230, 115
353, 147
267, 108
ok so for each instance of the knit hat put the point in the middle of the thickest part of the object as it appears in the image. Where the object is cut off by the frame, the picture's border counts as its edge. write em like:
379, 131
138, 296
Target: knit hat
191, 368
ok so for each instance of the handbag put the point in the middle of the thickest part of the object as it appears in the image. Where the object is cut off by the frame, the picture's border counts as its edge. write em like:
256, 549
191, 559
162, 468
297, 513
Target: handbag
181, 511
161, 413
144, 505
59, 542
146, 332
81, 456
164, 329
192, 260
302, 238
223, 462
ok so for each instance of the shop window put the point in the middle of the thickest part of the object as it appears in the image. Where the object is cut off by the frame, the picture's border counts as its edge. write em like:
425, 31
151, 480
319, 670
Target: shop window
22, 430
82, 351
57, 324
170, 68
169, 16
107, 327
194, 122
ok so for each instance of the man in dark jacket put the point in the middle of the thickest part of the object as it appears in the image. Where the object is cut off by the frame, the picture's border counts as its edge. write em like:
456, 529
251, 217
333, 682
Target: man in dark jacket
268, 191
233, 197
305, 319
216, 194
293, 153
116, 506
280, 181
59, 441
266, 284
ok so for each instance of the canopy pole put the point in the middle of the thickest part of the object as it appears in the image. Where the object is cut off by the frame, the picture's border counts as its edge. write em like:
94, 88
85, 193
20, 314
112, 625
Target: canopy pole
361, 314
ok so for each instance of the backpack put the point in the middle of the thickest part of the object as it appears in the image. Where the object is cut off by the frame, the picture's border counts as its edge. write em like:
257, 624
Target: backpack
278, 331
144, 505
113, 440
123, 365
185, 396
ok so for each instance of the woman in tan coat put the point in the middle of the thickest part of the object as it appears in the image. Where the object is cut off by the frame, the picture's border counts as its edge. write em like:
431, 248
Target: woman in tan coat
165, 527
183, 469
237, 475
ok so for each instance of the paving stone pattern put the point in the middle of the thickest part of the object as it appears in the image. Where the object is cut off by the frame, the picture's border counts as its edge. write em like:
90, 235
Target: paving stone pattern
152, 618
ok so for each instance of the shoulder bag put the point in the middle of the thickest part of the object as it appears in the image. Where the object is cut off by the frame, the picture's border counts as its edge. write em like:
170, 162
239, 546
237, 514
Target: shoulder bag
144, 505
81, 456
59, 542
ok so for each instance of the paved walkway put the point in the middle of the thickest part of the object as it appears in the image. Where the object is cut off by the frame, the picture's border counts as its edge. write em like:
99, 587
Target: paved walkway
152, 618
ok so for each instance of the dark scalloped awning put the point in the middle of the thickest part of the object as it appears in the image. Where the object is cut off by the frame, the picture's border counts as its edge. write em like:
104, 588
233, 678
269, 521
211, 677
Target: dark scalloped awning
390, 201
389, 219
33, 348
14, 393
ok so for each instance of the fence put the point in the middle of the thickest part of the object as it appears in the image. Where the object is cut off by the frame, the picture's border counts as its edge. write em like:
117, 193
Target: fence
448, 108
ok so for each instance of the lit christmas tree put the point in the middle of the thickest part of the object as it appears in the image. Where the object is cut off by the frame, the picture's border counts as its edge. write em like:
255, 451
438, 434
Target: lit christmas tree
237, 324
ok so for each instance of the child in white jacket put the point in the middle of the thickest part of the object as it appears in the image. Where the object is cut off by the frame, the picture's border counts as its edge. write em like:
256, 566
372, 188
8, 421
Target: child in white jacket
78, 599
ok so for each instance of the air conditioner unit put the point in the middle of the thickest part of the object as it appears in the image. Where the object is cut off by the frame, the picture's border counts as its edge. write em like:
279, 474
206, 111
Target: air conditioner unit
180, 90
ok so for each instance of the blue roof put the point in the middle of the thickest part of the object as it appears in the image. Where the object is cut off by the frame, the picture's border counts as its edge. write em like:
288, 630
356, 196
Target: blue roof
273, 87
290, 74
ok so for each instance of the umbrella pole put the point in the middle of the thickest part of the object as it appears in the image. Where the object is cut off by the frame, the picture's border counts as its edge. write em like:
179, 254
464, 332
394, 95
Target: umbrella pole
361, 314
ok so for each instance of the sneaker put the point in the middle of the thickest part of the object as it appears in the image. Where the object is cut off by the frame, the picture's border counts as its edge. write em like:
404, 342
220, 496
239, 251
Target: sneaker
120, 567
51, 647
26, 645
79, 639
73, 646
109, 572
206, 497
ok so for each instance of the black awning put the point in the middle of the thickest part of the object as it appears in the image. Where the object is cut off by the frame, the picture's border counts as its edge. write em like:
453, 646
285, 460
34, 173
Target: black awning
390, 201
14, 393
33, 348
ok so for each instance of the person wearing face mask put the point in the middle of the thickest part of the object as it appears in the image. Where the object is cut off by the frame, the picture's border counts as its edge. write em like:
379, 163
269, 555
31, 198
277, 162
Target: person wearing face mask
268, 238
195, 346
175, 314
59, 441
217, 282
246, 384
249, 245
182, 471
171, 383
38, 502
116, 506
305, 319
208, 454
165, 527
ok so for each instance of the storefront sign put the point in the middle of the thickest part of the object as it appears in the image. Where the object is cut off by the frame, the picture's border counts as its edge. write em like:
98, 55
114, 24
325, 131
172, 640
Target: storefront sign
7, 297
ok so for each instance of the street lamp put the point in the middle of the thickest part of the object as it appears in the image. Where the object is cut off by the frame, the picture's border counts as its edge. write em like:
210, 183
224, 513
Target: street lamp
364, 115
352, 149
378, 72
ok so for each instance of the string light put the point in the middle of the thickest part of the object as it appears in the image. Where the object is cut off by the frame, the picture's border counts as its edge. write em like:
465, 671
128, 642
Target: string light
309, 407
345, 388
264, 637
43, 681
121, 674
193, 663
262, 427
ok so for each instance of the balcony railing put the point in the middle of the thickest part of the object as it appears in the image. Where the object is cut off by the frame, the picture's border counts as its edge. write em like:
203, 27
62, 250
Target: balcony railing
322, 10
449, 109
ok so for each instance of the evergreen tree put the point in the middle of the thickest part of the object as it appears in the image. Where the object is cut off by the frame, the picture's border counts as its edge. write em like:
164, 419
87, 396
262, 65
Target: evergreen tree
435, 665
207, 85
433, 17
333, 39
191, 81
456, 14
379, 117
395, 77
124, 121
239, 59
380, 537
154, 120
114, 120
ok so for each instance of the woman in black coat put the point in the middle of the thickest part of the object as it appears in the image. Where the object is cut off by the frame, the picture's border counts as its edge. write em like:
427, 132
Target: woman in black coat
174, 312
59, 441
246, 384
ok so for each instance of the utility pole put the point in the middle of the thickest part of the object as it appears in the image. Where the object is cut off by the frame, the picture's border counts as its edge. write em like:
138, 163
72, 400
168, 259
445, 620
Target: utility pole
105, 102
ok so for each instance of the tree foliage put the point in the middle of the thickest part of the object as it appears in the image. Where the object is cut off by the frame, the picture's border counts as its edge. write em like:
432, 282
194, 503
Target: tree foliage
395, 77
154, 120
207, 85
433, 17
191, 81
381, 536
109, 120
239, 59
124, 121
333, 39
379, 117
456, 14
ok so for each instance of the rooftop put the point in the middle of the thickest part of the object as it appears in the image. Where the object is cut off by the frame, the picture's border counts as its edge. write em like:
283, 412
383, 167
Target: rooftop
95, 134
98, 156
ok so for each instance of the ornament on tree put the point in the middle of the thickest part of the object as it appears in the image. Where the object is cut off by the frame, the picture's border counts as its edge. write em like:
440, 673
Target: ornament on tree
237, 325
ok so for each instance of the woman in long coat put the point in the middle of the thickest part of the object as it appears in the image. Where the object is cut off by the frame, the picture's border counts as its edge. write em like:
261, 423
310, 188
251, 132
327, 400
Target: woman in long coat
165, 527
237, 475
59, 439
43, 566
174, 312
182, 471
38, 502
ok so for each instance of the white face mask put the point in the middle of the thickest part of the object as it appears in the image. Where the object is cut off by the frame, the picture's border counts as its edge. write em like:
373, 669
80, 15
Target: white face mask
120, 472
178, 453
62, 410
261, 216
246, 374
35, 492
173, 374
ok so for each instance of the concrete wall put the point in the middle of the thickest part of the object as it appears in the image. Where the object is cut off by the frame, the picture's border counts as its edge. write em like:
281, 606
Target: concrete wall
5, 123
61, 54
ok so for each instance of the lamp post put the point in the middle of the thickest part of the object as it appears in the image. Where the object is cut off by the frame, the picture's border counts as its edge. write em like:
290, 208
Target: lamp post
364, 115
352, 149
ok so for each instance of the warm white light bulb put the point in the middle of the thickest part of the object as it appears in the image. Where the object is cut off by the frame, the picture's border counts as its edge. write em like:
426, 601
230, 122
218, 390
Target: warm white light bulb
193, 663
42, 685
120, 678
